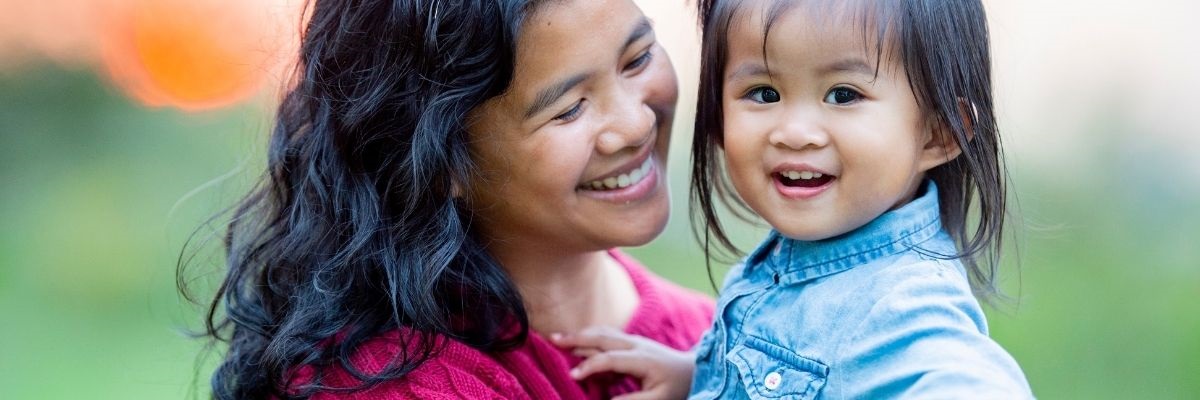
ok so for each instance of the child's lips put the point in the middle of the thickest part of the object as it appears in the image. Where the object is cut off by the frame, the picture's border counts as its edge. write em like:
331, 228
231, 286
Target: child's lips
799, 180
803, 179
802, 189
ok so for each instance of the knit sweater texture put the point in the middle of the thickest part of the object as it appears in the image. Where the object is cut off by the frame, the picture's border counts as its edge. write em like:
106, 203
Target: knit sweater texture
536, 370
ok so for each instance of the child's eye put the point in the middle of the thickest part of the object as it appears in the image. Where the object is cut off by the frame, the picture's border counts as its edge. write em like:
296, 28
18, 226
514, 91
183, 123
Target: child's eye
842, 95
763, 94
640, 60
571, 114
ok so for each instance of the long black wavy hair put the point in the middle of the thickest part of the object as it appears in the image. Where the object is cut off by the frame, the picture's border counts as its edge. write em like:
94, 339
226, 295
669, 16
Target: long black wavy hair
944, 48
355, 228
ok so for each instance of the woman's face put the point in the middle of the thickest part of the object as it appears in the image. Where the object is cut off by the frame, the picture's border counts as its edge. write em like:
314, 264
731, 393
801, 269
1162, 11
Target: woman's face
572, 157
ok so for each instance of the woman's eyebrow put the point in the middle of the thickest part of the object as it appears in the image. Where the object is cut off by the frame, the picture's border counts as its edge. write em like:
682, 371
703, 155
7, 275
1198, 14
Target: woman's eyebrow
643, 28
549, 95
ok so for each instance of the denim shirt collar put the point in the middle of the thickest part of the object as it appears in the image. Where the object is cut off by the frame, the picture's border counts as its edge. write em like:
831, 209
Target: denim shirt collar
893, 232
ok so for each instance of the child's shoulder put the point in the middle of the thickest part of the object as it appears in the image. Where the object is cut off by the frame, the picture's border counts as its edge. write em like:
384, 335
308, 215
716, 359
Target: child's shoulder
922, 315
914, 292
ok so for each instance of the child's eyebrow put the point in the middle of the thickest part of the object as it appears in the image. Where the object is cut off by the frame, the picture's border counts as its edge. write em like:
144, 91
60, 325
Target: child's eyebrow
747, 70
849, 65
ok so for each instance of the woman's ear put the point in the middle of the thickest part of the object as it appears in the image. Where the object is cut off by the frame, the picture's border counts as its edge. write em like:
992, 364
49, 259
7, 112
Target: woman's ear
940, 145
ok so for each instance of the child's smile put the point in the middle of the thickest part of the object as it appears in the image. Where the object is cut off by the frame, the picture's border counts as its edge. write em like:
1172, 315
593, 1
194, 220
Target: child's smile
802, 181
823, 133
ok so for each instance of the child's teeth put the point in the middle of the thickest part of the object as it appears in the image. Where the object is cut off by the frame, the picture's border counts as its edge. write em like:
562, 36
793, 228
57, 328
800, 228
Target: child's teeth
610, 182
622, 180
796, 175
597, 185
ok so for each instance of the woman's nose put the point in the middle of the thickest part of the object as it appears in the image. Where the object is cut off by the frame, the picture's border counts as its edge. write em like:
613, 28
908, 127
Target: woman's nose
631, 123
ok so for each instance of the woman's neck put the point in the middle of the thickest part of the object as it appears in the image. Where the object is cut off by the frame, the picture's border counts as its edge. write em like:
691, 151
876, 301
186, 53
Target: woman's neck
566, 292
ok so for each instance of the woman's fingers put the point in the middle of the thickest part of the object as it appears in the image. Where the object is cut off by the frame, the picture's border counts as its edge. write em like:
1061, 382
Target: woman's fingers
619, 361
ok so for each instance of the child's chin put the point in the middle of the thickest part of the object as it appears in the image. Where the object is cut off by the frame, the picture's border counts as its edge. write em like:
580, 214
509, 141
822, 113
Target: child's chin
806, 233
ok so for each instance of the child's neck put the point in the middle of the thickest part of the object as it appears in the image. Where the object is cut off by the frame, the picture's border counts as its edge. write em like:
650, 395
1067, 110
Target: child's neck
566, 292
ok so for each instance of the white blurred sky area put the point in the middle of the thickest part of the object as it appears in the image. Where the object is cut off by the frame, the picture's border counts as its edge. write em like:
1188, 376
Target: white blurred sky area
1082, 86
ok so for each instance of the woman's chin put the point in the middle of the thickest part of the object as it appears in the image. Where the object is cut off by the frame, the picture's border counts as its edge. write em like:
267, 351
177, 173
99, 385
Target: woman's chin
639, 230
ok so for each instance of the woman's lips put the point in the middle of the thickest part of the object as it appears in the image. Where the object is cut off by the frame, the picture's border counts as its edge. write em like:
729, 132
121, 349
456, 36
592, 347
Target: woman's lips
621, 180
646, 183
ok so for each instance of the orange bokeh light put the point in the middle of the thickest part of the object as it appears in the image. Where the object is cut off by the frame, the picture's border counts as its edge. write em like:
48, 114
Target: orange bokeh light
195, 54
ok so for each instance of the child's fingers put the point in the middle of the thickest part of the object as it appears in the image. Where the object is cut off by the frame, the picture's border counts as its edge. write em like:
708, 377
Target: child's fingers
623, 362
603, 338
585, 352
639, 395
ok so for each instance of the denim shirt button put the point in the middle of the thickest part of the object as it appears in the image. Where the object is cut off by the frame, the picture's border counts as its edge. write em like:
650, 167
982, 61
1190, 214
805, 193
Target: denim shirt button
773, 380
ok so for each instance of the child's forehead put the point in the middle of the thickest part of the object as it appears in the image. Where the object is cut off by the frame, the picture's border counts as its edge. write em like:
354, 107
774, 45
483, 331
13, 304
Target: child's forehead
874, 16
816, 26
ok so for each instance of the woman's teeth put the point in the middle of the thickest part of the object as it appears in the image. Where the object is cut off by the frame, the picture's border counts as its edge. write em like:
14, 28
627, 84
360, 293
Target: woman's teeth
623, 180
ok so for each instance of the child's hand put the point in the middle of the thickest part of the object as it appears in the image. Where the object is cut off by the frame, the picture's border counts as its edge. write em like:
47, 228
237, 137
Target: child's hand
665, 373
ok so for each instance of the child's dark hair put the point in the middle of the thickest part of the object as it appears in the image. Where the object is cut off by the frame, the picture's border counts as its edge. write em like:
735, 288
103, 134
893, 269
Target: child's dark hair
355, 228
943, 46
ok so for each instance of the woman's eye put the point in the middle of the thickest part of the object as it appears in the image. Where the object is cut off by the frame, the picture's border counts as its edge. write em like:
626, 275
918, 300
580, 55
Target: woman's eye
842, 95
640, 60
571, 114
763, 94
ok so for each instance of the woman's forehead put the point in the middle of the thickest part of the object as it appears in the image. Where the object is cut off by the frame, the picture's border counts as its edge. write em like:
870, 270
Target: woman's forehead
569, 38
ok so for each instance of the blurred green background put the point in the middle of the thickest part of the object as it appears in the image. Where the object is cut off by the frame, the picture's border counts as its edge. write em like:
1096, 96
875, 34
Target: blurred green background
99, 193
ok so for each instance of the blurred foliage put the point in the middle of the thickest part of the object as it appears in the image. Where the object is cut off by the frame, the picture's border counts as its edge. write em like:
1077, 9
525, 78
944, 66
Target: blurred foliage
99, 195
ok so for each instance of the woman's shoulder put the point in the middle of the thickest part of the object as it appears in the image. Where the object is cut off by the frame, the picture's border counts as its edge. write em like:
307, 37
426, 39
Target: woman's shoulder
668, 313
453, 370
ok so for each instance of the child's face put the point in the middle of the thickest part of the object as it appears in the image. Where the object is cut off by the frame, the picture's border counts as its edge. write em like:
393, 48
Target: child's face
571, 158
819, 145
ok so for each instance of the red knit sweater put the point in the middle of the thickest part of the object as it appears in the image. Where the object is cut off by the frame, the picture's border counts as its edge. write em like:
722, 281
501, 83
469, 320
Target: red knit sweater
537, 370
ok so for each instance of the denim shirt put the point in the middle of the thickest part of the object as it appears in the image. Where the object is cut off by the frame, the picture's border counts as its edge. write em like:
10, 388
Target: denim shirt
875, 313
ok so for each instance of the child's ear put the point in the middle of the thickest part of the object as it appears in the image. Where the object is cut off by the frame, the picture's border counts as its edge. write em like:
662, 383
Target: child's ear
940, 146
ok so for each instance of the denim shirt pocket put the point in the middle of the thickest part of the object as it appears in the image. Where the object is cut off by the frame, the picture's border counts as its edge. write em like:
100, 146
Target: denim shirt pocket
707, 374
772, 372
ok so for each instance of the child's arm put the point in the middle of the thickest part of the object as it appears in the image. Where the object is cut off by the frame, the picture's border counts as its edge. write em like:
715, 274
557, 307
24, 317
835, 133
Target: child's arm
665, 373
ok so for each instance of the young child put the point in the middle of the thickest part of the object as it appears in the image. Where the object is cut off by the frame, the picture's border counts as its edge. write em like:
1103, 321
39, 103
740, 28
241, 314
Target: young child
861, 131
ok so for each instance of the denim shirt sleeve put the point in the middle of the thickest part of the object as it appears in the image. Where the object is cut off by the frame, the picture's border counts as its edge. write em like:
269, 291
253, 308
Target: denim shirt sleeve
926, 338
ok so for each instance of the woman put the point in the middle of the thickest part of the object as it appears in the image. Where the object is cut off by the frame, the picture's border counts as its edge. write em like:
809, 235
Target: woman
446, 182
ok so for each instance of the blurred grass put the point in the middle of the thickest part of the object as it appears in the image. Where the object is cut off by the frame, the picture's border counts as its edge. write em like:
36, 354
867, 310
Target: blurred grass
95, 207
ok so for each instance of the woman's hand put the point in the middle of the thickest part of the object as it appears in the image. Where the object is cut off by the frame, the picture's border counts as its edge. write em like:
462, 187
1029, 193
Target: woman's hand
665, 373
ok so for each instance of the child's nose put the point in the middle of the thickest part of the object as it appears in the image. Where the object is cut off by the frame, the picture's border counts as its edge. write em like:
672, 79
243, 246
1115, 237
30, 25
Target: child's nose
799, 131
